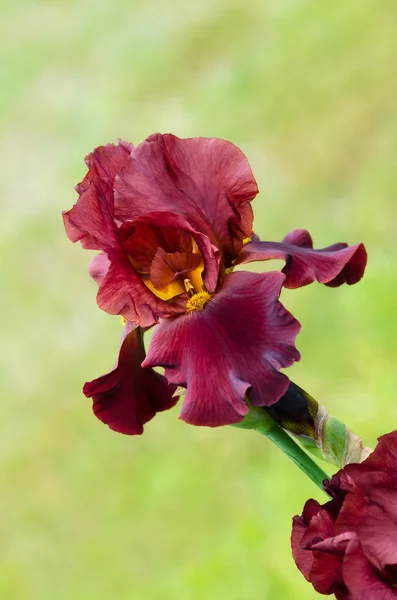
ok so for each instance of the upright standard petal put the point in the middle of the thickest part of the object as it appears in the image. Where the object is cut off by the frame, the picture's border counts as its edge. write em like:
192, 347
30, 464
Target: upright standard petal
233, 344
129, 396
91, 220
333, 265
206, 180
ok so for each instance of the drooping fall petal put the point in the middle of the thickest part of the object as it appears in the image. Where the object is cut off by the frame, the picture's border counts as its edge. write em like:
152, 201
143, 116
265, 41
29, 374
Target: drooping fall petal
236, 344
333, 265
206, 180
129, 396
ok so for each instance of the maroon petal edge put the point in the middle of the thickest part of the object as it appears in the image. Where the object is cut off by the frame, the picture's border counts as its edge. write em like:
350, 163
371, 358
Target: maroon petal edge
333, 265
91, 220
129, 396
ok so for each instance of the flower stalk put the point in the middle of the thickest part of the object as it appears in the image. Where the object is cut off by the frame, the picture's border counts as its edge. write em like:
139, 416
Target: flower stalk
260, 420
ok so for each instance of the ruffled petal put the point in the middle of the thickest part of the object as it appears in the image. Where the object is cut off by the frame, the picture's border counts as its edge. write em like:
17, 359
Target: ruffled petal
381, 489
333, 265
91, 220
322, 568
376, 531
122, 292
238, 342
384, 458
303, 557
129, 396
360, 578
206, 180
104, 163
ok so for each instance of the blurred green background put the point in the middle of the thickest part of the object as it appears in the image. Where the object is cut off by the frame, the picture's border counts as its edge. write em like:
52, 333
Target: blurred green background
308, 90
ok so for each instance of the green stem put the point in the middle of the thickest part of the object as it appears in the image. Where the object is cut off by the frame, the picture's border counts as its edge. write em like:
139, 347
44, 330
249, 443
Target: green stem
259, 420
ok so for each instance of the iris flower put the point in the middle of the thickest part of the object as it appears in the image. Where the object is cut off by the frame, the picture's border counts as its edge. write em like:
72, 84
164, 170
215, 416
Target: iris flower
347, 546
172, 218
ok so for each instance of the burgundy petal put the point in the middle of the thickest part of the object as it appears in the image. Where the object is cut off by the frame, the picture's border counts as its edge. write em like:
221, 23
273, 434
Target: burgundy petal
129, 396
99, 267
360, 578
322, 569
91, 220
206, 180
385, 457
376, 531
239, 341
320, 528
333, 265
381, 489
303, 558
335, 545
122, 292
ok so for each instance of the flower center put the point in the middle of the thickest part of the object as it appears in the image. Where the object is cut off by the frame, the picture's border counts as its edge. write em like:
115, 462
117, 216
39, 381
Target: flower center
390, 572
197, 301
168, 261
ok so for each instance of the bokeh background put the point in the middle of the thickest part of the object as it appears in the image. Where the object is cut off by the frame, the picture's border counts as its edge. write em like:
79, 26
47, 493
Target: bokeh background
308, 90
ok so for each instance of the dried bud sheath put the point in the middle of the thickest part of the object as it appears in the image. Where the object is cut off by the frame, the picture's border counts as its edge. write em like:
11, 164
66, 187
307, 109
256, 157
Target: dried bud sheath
316, 429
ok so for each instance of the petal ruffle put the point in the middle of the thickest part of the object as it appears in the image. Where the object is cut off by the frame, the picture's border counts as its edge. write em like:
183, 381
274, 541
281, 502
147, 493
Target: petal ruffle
322, 569
376, 531
333, 265
361, 579
385, 457
122, 292
206, 180
238, 342
129, 396
172, 222
91, 220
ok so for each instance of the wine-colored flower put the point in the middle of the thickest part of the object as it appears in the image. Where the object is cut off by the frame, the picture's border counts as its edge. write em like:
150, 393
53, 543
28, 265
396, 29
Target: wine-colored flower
348, 546
172, 218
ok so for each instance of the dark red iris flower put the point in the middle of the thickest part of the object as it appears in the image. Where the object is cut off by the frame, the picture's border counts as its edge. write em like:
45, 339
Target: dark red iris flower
348, 546
172, 218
